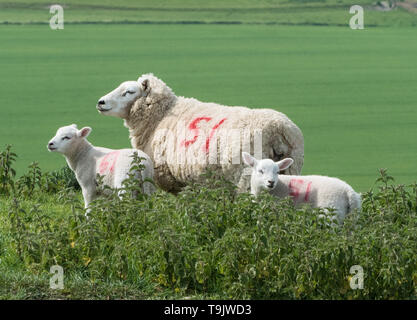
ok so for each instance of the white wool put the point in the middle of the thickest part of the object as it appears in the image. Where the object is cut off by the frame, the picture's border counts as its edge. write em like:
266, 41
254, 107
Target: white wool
318, 191
86, 161
183, 136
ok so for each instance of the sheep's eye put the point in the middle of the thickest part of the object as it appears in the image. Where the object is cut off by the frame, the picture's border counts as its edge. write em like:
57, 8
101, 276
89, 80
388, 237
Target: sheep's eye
128, 92
66, 138
261, 171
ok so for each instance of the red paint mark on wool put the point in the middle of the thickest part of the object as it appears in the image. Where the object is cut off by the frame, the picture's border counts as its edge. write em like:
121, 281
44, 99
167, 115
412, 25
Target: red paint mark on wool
108, 162
212, 132
308, 191
193, 127
295, 187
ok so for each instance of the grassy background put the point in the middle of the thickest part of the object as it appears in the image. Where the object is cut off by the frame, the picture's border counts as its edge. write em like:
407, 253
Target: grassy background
352, 93
316, 12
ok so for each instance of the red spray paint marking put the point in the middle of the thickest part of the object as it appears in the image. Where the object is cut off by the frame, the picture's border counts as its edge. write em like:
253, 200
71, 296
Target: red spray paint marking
296, 186
193, 127
307, 191
212, 134
108, 162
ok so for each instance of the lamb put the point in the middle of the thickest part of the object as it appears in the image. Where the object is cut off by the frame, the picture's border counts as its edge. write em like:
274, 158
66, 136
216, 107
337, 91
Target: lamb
185, 137
318, 191
86, 161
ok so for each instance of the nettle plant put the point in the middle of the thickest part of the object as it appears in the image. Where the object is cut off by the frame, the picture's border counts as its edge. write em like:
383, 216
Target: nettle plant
34, 181
7, 173
210, 240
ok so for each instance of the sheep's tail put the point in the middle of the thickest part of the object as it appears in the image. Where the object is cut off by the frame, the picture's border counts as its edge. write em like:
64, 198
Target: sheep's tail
354, 201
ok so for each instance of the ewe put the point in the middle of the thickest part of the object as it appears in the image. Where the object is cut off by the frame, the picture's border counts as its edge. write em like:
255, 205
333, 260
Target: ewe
87, 161
184, 136
318, 191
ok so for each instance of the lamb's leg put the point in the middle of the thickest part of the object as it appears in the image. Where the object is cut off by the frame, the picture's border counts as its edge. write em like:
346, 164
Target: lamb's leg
89, 193
118, 184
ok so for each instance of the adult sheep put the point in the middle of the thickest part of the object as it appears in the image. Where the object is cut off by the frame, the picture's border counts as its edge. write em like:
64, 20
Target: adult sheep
184, 136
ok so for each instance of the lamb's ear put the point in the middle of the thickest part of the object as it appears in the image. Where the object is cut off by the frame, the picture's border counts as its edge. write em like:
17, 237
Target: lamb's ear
249, 160
285, 163
84, 132
74, 126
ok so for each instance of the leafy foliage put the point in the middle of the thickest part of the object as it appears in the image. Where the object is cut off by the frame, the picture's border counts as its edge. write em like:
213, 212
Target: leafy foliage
7, 173
209, 240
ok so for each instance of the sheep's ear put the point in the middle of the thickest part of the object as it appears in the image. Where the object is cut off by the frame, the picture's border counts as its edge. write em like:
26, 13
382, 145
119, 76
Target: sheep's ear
285, 163
145, 85
84, 132
249, 160
74, 125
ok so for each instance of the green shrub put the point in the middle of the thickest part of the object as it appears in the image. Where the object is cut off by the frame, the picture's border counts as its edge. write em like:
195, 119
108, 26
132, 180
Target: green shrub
7, 173
65, 177
210, 240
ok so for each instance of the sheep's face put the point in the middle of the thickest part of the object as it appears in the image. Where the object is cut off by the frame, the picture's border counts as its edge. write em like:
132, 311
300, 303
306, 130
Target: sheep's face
67, 139
118, 102
265, 172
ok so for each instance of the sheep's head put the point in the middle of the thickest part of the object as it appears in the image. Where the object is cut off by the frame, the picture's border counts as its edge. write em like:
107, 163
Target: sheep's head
67, 139
265, 172
118, 102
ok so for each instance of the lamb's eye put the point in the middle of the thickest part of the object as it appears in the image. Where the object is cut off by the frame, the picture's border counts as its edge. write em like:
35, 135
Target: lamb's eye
261, 171
66, 138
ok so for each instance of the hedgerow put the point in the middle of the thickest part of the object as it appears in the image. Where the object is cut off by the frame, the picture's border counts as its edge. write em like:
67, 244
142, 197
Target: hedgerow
211, 240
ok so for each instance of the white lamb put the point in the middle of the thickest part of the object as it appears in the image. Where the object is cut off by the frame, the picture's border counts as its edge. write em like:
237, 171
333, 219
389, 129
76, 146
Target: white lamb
318, 191
87, 161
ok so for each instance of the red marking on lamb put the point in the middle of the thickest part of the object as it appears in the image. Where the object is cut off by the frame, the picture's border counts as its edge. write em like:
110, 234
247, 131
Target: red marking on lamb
308, 191
108, 162
295, 187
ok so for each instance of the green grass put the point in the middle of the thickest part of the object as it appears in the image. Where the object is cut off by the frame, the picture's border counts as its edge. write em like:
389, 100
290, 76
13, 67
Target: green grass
322, 12
352, 93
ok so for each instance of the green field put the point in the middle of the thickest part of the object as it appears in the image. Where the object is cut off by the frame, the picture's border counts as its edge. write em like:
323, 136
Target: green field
292, 12
352, 93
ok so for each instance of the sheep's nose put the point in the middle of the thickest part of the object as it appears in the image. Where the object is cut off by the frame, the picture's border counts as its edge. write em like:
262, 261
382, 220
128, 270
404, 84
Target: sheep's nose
101, 102
270, 182
50, 144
